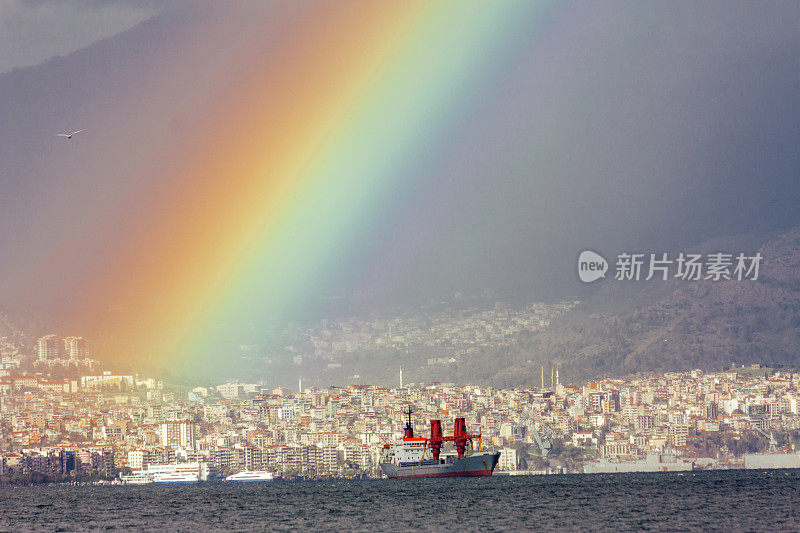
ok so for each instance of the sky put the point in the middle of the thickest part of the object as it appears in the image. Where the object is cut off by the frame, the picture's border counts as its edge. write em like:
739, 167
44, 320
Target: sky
249, 163
33, 31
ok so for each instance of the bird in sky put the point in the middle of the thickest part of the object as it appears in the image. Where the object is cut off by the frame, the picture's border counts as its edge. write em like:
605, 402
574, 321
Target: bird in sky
68, 135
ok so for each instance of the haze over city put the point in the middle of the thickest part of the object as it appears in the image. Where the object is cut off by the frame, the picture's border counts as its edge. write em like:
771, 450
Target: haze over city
247, 163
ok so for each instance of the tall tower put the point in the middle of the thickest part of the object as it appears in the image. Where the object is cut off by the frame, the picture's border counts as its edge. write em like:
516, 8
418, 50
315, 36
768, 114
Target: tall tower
557, 375
542, 376
50, 347
300, 385
76, 348
401, 377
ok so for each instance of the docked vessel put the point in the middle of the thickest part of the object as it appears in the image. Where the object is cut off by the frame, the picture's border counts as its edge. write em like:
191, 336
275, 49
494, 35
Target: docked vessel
176, 477
170, 473
771, 460
251, 475
654, 462
419, 457
137, 477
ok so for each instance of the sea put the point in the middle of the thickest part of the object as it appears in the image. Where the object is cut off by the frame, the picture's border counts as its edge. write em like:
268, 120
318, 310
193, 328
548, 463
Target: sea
730, 500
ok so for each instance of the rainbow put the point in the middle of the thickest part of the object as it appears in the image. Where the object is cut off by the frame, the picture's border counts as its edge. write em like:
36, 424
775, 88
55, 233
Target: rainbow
309, 140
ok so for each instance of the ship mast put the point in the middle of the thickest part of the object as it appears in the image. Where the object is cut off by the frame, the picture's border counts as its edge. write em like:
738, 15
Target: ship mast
409, 431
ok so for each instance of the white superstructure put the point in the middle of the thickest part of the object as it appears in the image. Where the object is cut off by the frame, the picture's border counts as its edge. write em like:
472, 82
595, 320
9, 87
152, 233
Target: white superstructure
137, 477
176, 477
171, 473
251, 475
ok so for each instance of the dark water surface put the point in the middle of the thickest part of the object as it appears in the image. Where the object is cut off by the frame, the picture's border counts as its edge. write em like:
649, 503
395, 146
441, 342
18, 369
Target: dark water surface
766, 500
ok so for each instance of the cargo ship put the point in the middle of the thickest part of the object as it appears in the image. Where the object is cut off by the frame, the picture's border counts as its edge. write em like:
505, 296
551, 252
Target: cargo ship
419, 457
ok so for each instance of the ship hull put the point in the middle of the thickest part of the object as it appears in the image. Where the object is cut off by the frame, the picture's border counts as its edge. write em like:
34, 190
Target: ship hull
477, 465
771, 460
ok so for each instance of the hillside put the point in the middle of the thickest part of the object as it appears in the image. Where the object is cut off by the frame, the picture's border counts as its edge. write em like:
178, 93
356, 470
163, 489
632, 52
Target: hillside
631, 327
626, 328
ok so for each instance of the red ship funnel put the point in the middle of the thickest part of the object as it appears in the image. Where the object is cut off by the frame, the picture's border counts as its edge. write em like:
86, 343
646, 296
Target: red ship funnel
436, 438
460, 436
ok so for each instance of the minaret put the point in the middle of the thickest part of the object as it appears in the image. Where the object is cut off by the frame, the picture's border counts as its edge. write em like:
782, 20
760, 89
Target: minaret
401, 377
543, 376
552, 380
557, 375
300, 385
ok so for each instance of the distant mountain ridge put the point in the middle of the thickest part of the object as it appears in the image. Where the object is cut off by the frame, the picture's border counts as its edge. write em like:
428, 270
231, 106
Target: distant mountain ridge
637, 326
643, 326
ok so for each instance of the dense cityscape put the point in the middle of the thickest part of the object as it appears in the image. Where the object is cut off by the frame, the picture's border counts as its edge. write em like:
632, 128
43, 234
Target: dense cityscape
100, 425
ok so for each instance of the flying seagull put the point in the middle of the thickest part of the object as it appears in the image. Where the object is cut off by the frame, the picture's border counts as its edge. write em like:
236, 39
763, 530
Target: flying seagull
68, 135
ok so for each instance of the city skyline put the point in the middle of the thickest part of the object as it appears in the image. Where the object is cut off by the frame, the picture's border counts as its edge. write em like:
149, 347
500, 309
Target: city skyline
114, 424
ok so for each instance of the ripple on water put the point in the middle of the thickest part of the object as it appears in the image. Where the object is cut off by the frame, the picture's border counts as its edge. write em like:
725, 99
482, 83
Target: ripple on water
719, 501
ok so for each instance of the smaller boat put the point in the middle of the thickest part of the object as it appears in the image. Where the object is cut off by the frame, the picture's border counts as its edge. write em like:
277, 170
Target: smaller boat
251, 475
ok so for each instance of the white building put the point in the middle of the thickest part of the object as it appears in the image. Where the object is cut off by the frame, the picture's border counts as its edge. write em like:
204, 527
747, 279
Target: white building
580, 438
179, 434
50, 347
136, 459
508, 459
107, 379
231, 391
76, 348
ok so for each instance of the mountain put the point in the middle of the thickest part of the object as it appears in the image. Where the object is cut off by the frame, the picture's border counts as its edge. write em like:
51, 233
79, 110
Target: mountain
625, 327
646, 326
628, 327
